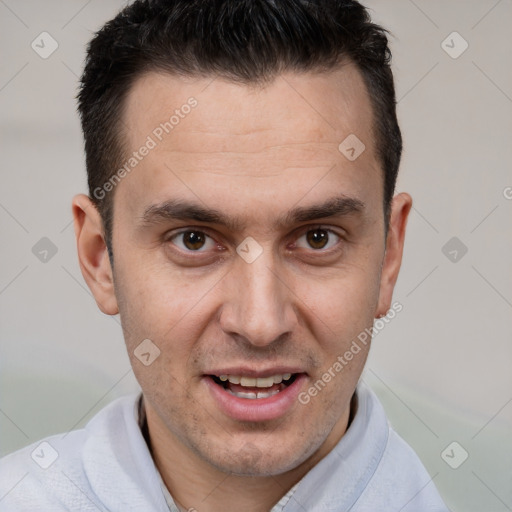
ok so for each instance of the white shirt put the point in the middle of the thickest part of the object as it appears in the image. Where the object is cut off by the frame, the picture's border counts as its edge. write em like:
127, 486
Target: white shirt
107, 466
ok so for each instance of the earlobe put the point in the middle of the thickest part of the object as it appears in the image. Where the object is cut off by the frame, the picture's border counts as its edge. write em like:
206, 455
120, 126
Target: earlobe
400, 209
92, 253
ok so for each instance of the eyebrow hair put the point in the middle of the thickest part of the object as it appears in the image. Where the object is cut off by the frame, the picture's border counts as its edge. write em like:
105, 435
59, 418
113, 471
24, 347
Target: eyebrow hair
179, 209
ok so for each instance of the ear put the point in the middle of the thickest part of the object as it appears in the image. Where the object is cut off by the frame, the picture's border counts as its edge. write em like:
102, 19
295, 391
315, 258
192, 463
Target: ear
400, 208
93, 254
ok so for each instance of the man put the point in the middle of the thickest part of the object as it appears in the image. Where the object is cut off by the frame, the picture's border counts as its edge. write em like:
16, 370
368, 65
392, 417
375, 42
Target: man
242, 158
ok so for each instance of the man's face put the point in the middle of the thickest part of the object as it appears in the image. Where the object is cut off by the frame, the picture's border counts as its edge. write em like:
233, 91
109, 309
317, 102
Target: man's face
290, 301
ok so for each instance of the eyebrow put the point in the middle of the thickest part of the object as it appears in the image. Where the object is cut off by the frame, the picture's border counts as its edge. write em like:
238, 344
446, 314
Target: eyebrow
178, 209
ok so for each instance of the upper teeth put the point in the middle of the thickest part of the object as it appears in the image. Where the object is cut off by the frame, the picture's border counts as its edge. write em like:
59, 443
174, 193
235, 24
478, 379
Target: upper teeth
258, 382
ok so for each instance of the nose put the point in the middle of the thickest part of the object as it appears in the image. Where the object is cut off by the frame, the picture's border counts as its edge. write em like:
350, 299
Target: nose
260, 304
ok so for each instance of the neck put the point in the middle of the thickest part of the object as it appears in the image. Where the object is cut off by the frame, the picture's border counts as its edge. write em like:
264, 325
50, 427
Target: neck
195, 484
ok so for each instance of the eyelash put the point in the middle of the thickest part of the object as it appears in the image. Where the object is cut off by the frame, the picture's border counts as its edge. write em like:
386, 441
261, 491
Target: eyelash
171, 236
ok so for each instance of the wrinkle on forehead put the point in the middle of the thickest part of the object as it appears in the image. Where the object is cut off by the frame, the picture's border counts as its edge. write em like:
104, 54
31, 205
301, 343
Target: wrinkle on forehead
232, 117
284, 137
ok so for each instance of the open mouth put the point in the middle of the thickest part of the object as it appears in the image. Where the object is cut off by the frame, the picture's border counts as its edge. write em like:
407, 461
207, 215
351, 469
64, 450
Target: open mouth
254, 388
248, 395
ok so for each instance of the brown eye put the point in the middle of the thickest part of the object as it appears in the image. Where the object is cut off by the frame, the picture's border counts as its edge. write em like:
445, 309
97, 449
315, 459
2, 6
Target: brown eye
319, 238
192, 241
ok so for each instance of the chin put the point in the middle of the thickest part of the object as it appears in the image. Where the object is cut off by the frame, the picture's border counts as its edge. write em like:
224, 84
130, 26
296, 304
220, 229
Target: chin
253, 460
255, 465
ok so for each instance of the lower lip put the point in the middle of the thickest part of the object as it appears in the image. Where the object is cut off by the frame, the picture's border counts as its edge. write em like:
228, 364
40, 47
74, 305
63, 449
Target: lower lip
258, 409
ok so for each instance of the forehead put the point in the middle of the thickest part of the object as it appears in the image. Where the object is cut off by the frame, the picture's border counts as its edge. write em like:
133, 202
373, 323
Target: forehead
210, 136
319, 106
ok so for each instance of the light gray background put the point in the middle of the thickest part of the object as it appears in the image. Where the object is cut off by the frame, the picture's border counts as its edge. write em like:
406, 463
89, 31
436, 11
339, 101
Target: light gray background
442, 367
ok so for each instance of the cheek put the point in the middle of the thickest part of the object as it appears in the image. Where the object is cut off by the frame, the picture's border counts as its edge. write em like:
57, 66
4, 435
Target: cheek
170, 309
345, 303
157, 298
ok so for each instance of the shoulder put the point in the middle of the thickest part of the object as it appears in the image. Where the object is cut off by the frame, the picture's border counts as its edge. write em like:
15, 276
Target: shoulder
41, 476
50, 474
371, 468
400, 479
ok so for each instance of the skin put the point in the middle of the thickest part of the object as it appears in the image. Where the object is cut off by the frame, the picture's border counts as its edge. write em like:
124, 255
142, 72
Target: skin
252, 152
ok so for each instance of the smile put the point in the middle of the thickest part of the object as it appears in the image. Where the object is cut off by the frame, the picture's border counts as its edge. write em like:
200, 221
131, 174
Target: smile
254, 388
245, 396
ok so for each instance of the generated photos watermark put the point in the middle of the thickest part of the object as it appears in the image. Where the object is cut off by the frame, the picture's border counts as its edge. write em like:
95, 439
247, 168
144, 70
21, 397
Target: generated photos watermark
362, 339
152, 141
